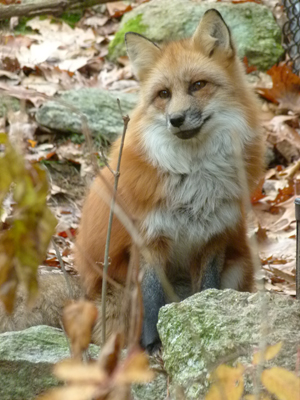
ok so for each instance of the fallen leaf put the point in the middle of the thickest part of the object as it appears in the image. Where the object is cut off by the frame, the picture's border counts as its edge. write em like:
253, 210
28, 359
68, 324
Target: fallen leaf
249, 68
75, 371
285, 385
269, 353
134, 369
65, 234
261, 397
32, 143
228, 381
110, 353
79, 318
117, 9
286, 88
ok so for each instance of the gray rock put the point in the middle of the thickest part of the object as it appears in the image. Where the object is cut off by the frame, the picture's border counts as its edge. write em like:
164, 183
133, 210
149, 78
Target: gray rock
98, 106
155, 390
253, 27
214, 327
8, 103
26, 360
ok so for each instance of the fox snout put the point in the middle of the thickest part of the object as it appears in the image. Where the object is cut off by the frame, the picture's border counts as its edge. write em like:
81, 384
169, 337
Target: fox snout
185, 124
177, 120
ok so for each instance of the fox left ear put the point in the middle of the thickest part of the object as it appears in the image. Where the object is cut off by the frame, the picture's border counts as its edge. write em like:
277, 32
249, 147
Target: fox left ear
213, 34
141, 52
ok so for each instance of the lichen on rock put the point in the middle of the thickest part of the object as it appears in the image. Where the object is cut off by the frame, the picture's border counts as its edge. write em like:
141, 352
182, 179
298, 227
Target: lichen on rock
253, 27
215, 327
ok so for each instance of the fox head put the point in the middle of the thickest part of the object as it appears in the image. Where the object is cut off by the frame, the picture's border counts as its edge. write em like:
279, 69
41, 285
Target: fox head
187, 84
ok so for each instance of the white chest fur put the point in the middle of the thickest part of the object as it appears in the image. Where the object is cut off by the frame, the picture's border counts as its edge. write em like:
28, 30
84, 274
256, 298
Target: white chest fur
201, 189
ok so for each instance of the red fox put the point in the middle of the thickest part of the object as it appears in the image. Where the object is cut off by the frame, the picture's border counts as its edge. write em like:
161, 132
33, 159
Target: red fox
178, 176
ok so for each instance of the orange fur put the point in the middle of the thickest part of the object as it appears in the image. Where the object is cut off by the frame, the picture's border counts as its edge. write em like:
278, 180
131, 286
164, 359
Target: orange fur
142, 182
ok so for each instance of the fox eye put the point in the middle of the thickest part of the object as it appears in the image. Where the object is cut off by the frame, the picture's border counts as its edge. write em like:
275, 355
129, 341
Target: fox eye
197, 86
164, 94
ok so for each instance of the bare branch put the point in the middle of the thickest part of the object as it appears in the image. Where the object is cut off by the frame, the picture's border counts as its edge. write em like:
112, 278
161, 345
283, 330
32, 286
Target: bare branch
110, 220
38, 7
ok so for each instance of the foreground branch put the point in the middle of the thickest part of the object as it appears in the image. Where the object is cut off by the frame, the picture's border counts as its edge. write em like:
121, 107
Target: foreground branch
111, 214
31, 8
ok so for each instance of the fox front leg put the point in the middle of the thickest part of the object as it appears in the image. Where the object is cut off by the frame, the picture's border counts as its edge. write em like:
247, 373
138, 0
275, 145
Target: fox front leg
212, 271
153, 300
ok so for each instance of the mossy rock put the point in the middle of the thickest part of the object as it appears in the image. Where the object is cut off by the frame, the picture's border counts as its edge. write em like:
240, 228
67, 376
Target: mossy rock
27, 358
8, 103
99, 107
253, 27
224, 326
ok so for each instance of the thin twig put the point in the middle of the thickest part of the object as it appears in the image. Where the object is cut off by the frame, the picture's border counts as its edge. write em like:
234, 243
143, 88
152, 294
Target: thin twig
98, 268
104, 159
136, 313
62, 266
110, 220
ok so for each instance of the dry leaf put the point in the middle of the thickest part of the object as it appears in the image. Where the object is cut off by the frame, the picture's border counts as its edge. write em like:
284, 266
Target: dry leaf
134, 369
252, 397
269, 353
285, 90
117, 9
75, 371
110, 353
79, 318
249, 68
285, 385
228, 382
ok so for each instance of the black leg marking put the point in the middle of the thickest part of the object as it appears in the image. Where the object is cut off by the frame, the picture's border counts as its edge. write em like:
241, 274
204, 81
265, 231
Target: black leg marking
211, 278
153, 299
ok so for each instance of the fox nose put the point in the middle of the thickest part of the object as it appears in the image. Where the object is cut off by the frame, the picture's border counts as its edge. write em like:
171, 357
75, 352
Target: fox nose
177, 120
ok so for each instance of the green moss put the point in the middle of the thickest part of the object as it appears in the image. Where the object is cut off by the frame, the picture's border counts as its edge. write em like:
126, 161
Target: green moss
70, 18
133, 25
22, 28
22, 380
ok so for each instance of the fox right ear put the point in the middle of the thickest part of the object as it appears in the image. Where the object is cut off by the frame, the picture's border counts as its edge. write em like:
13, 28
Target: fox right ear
141, 52
213, 35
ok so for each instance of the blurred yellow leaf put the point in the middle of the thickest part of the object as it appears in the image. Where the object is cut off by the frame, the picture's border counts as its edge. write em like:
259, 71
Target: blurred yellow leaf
31, 224
285, 385
134, 369
71, 370
228, 383
110, 353
252, 397
270, 352
32, 143
79, 318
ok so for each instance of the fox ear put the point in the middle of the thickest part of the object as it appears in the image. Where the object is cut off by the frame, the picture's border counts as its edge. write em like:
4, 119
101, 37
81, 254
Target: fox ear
141, 52
213, 34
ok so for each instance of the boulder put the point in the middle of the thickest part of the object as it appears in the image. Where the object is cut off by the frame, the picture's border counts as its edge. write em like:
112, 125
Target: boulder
100, 108
27, 358
7, 104
214, 326
253, 27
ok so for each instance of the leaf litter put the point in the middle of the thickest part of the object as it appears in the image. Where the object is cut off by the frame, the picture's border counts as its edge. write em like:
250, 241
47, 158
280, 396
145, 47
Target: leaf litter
52, 57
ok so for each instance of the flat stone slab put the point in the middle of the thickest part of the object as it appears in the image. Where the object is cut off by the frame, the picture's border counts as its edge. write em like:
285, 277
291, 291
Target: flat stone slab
99, 107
